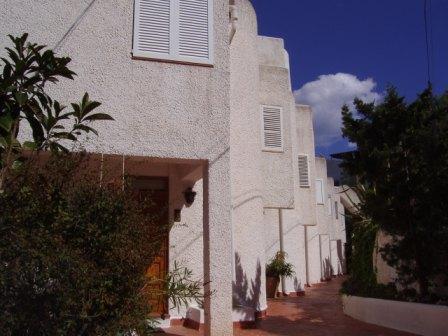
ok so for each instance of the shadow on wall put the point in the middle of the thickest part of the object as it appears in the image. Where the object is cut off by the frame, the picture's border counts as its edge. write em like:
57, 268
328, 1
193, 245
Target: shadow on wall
327, 269
298, 287
245, 294
342, 269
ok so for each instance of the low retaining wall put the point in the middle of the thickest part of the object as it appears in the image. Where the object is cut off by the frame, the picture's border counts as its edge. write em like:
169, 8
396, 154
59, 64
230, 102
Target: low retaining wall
416, 318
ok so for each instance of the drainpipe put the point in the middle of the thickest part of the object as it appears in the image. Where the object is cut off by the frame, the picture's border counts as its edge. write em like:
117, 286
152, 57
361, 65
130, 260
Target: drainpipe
282, 243
320, 258
307, 262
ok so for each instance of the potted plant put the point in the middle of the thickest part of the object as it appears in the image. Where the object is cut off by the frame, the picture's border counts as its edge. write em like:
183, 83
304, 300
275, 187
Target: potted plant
277, 267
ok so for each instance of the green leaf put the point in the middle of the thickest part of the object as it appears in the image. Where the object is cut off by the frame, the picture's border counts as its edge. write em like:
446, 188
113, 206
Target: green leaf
85, 128
30, 145
17, 164
21, 97
6, 123
64, 135
89, 107
3, 142
98, 116
37, 128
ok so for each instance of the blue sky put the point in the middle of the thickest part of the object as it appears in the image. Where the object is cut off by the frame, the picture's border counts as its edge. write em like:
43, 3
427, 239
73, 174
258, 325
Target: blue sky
342, 48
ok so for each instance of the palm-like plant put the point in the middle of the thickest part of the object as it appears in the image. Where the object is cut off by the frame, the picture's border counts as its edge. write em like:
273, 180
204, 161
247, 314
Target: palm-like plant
24, 74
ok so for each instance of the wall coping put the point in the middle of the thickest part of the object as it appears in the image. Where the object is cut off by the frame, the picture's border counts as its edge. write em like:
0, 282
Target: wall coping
417, 318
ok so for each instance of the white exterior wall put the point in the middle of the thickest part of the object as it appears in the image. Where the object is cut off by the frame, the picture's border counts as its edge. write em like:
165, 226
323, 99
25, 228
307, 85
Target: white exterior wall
202, 125
249, 281
314, 257
191, 122
275, 90
304, 213
338, 234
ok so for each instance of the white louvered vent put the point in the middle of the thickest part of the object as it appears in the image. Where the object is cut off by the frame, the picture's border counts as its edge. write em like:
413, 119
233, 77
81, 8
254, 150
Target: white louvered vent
174, 30
304, 175
153, 26
272, 128
194, 28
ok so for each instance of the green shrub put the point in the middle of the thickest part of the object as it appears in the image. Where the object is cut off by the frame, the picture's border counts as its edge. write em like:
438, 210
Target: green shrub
73, 255
278, 267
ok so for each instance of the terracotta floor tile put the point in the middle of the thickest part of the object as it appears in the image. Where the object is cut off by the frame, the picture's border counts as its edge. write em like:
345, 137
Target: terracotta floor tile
319, 313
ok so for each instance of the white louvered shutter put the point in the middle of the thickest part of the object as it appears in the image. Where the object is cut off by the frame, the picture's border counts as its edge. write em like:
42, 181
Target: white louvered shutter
174, 30
194, 28
152, 27
304, 175
272, 128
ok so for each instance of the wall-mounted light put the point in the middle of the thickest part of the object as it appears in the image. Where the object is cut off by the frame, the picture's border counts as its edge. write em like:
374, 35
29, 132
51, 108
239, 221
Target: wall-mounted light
189, 195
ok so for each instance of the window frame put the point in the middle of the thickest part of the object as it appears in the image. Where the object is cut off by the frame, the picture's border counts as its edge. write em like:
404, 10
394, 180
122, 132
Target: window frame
174, 56
322, 192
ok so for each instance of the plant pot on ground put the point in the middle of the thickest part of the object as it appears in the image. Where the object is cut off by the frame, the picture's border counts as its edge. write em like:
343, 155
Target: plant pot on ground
277, 268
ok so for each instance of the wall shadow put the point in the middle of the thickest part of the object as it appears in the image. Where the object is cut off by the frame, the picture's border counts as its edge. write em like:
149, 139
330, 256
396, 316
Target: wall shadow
342, 268
246, 293
327, 269
298, 286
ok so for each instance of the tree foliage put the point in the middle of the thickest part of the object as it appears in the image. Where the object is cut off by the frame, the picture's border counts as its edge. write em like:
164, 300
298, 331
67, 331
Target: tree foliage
24, 76
402, 159
74, 255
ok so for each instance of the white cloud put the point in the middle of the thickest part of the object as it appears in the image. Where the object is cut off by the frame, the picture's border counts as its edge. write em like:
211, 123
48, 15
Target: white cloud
327, 95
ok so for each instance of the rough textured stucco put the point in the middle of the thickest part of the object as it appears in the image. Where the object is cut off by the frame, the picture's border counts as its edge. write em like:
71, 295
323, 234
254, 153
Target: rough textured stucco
325, 256
314, 259
323, 219
304, 212
304, 138
249, 280
271, 233
275, 90
294, 246
191, 122
203, 125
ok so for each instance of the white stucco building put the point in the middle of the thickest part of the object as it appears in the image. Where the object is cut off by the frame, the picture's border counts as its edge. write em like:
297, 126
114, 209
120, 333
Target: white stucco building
201, 101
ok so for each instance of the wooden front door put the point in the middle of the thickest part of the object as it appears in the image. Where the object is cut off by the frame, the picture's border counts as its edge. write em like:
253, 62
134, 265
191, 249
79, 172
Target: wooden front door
154, 192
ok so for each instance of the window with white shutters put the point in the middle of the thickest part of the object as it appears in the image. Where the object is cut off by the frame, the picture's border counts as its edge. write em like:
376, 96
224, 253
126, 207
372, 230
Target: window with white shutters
304, 173
174, 30
272, 128
320, 191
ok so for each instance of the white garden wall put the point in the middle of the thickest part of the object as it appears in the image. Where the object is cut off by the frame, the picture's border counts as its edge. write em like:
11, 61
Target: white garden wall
416, 318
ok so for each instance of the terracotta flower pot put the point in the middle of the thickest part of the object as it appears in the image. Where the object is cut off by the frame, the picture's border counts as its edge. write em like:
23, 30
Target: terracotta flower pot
272, 286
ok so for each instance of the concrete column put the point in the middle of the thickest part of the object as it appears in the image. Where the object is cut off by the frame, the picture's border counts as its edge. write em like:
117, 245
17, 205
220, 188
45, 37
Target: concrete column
218, 247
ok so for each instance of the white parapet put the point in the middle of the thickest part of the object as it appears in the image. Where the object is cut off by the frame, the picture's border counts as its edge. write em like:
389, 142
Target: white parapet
416, 318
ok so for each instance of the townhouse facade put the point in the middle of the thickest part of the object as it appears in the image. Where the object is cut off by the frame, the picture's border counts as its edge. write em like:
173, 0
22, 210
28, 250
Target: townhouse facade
205, 118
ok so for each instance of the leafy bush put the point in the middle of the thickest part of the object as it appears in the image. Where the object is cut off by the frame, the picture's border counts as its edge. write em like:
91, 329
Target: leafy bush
402, 160
278, 267
73, 255
24, 75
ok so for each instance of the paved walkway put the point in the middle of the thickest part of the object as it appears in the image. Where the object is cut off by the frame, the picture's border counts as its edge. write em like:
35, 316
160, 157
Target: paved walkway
319, 313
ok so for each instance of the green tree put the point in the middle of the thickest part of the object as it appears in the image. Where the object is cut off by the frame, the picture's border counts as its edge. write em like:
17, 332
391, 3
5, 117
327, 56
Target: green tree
24, 76
74, 254
402, 159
